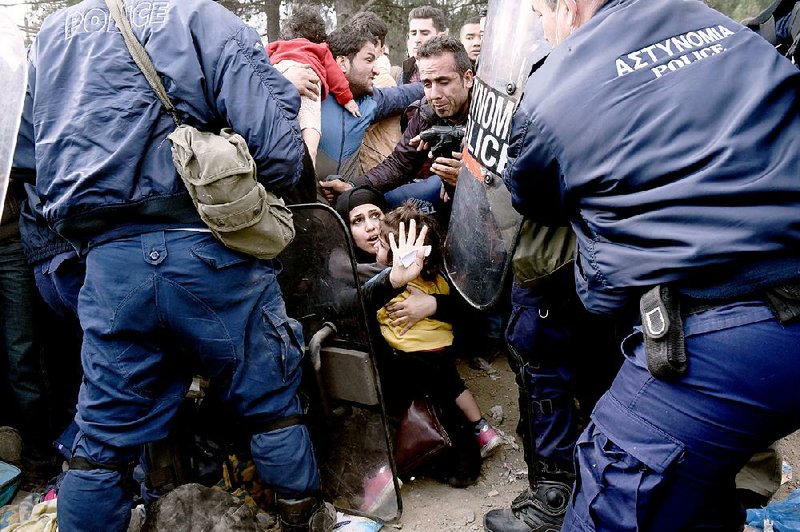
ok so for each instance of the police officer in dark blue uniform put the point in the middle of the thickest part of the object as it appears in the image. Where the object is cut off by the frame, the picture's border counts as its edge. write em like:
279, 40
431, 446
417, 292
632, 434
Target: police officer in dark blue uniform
161, 295
564, 358
668, 135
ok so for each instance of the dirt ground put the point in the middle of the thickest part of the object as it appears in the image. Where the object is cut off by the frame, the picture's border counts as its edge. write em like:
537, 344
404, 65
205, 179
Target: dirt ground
431, 506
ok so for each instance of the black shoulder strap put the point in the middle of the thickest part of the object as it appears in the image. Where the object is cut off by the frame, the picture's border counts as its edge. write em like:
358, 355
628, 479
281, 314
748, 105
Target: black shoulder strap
794, 32
764, 22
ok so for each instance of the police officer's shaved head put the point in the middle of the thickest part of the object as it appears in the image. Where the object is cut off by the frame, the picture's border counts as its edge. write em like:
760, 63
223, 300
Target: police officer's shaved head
560, 18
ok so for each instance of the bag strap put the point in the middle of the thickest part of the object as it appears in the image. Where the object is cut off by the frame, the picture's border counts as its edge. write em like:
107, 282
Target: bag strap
140, 56
794, 31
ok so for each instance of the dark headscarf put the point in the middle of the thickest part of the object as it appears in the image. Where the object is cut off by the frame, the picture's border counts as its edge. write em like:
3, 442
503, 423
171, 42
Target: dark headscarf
353, 198
356, 197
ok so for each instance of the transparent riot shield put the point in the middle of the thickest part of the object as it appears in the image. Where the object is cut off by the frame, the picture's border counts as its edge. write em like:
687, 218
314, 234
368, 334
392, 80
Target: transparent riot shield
13, 71
348, 419
483, 226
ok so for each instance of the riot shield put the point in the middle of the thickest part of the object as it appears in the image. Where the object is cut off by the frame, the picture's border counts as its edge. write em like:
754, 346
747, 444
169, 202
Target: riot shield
484, 226
348, 420
13, 80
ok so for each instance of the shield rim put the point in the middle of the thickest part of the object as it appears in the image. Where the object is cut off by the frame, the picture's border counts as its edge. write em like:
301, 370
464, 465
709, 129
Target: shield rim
300, 207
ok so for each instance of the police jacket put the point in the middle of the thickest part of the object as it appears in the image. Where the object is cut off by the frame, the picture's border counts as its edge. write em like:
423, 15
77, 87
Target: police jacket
342, 133
39, 242
669, 135
103, 164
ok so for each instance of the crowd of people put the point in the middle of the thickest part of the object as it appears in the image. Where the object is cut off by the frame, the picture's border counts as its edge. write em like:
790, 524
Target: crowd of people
674, 207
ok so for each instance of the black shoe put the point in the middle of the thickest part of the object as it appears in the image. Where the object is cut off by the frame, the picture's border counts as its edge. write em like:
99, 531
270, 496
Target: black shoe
750, 499
537, 509
310, 514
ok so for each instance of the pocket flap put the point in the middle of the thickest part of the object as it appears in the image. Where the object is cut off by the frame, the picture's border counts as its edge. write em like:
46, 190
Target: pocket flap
654, 448
235, 215
202, 158
219, 256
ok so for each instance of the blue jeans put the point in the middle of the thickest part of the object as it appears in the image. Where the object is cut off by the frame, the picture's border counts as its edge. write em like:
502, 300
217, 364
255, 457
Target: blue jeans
426, 190
21, 357
155, 308
663, 455
59, 280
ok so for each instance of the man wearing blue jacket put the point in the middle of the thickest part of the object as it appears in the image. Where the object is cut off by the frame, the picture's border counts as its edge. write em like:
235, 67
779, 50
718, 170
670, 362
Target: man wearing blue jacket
668, 135
446, 73
342, 133
162, 296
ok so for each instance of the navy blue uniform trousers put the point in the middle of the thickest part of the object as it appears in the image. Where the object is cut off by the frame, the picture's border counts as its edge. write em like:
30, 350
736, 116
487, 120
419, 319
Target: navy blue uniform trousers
561, 353
663, 455
155, 308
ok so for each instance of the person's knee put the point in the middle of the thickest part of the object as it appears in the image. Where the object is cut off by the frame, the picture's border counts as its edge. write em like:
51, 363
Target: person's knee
285, 460
97, 488
91, 497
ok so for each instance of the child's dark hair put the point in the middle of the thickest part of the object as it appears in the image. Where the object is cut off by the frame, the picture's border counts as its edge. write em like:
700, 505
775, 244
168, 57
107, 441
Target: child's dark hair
306, 22
405, 213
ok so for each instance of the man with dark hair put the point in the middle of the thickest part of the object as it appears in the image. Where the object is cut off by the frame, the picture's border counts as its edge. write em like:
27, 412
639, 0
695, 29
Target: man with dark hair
446, 74
382, 136
162, 296
689, 225
471, 35
355, 52
369, 22
302, 43
424, 23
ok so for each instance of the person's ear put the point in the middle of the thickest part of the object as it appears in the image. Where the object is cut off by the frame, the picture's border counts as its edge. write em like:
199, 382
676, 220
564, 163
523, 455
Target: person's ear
343, 62
469, 79
571, 12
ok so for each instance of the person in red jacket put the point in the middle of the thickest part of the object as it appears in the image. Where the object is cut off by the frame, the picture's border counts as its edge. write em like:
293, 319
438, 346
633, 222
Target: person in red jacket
303, 35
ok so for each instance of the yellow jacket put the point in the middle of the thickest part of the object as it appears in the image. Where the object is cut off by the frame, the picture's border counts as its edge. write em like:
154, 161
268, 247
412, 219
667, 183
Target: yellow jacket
426, 334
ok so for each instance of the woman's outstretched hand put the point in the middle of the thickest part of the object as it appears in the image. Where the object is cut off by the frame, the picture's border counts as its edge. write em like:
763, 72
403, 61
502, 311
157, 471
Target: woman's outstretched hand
408, 254
407, 312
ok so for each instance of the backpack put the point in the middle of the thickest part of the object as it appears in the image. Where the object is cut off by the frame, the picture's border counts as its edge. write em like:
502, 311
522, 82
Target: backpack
541, 252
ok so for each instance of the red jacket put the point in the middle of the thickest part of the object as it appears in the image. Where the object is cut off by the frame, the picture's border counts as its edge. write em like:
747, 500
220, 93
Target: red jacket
318, 57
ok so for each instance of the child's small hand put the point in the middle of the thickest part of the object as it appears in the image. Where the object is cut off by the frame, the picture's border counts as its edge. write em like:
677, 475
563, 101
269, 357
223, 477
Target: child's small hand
403, 247
352, 106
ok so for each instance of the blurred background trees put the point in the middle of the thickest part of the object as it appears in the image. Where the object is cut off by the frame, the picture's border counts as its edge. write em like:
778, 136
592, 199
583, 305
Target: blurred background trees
265, 15
739, 9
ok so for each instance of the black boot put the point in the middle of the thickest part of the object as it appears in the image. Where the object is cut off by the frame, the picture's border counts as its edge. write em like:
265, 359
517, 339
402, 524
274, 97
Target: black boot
540, 508
310, 514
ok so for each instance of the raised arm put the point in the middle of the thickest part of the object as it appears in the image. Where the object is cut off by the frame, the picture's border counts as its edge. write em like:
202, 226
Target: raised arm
393, 100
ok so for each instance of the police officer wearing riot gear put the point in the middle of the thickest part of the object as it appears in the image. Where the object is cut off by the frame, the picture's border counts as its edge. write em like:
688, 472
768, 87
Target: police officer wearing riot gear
683, 195
161, 295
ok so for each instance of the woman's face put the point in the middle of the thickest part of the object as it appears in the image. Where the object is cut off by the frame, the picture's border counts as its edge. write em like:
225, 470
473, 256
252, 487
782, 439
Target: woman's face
365, 225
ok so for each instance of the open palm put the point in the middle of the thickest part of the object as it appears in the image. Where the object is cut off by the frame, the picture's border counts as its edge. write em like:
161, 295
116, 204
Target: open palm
408, 254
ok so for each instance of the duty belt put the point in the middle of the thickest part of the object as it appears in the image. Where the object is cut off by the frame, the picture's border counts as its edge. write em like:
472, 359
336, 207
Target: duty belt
662, 322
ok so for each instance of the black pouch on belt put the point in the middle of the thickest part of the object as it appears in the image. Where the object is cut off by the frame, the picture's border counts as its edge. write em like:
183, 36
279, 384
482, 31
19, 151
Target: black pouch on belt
664, 344
784, 300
